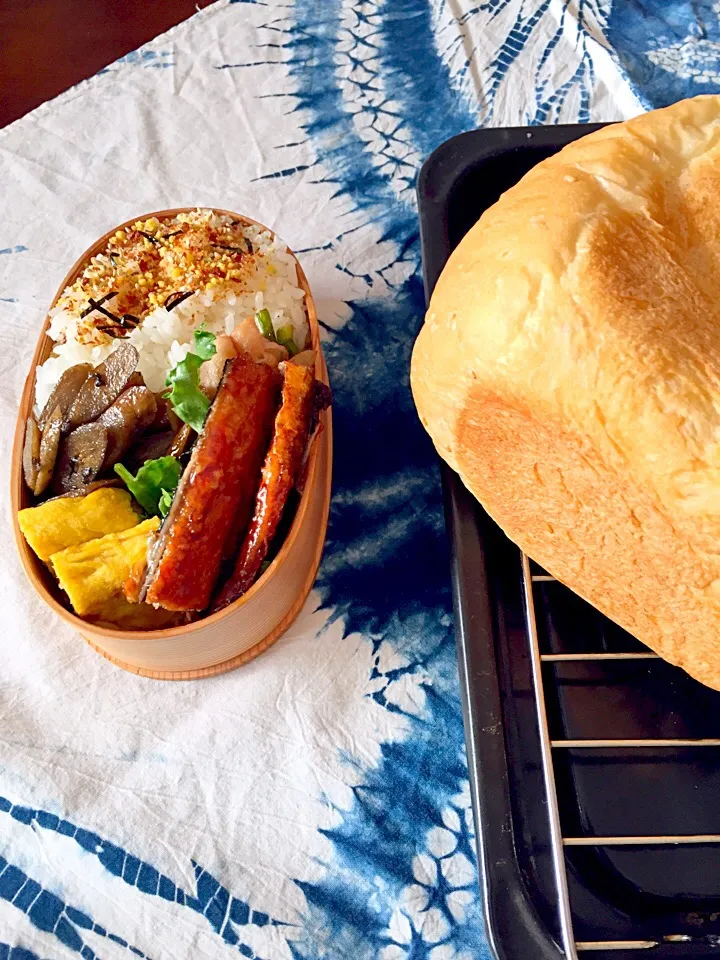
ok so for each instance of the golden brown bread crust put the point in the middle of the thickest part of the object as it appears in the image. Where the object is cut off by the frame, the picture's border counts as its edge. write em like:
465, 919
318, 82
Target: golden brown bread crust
569, 370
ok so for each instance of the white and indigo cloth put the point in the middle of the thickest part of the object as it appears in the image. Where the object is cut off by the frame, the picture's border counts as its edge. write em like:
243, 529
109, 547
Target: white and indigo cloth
313, 804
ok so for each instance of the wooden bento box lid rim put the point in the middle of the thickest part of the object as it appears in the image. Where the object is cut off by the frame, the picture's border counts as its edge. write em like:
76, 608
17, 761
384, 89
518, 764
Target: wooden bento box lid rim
34, 567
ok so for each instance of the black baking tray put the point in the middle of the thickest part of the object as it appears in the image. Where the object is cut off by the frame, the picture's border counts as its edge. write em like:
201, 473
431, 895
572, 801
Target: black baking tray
663, 894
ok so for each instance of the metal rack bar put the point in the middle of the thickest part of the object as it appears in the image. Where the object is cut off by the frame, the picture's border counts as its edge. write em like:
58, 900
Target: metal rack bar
630, 744
570, 657
668, 939
617, 944
558, 853
650, 841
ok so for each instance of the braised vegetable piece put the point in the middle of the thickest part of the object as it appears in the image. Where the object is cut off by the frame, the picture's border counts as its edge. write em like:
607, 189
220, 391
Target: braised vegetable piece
136, 380
65, 392
94, 572
282, 463
133, 411
31, 453
49, 445
216, 491
181, 440
87, 488
150, 447
68, 521
104, 385
165, 418
82, 454
155, 481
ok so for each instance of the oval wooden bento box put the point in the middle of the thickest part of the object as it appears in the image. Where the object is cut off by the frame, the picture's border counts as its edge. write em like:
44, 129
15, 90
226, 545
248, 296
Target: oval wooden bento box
242, 630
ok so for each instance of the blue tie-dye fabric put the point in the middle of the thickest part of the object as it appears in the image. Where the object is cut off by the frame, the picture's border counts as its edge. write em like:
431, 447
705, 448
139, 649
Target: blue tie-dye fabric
120, 831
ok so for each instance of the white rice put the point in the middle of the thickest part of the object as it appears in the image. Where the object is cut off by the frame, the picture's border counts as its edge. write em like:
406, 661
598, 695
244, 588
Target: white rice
165, 337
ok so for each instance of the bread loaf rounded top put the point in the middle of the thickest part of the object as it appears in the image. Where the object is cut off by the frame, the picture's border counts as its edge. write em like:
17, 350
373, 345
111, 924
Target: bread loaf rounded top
569, 370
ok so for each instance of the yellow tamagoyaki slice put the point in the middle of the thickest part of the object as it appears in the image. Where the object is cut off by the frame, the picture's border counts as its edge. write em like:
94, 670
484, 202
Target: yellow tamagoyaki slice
94, 572
68, 521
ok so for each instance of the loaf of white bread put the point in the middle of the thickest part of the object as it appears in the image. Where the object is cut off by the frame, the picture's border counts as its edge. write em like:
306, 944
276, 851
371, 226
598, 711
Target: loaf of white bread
569, 370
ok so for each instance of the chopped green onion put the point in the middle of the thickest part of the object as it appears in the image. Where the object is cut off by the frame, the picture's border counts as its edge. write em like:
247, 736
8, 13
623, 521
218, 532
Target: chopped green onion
285, 338
264, 324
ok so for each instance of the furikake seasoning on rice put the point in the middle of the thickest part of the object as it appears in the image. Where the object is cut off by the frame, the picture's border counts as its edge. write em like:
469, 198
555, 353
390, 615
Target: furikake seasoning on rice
158, 280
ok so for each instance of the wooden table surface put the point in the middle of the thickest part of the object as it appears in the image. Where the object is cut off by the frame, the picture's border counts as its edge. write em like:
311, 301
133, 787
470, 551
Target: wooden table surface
47, 46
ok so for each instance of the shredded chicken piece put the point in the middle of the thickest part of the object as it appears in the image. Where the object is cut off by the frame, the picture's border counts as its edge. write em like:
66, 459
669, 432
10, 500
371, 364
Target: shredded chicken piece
212, 370
248, 338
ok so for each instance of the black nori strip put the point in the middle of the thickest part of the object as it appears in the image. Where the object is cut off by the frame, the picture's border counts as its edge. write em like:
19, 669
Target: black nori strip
94, 304
106, 313
179, 297
150, 237
126, 322
112, 330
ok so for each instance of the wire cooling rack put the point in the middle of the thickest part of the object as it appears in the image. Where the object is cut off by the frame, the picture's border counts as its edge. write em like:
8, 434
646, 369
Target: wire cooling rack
542, 663
594, 767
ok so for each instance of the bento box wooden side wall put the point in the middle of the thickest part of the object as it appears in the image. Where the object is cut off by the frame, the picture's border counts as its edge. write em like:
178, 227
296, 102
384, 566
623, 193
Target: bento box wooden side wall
225, 639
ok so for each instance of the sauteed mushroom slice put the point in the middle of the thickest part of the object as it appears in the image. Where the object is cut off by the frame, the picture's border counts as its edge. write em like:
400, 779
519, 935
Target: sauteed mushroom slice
136, 380
180, 440
103, 386
149, 447
132, 412
65, 392
31, 453
81, 457
165, 418
49, 445
87, 488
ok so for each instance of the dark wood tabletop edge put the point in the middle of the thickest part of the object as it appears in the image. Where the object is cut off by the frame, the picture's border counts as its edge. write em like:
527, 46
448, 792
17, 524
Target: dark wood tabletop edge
47, 46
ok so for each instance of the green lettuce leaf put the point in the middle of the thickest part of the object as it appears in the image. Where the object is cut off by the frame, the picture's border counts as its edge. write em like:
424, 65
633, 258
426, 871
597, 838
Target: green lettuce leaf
165, 502
154, 485
204, 343
185, 396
